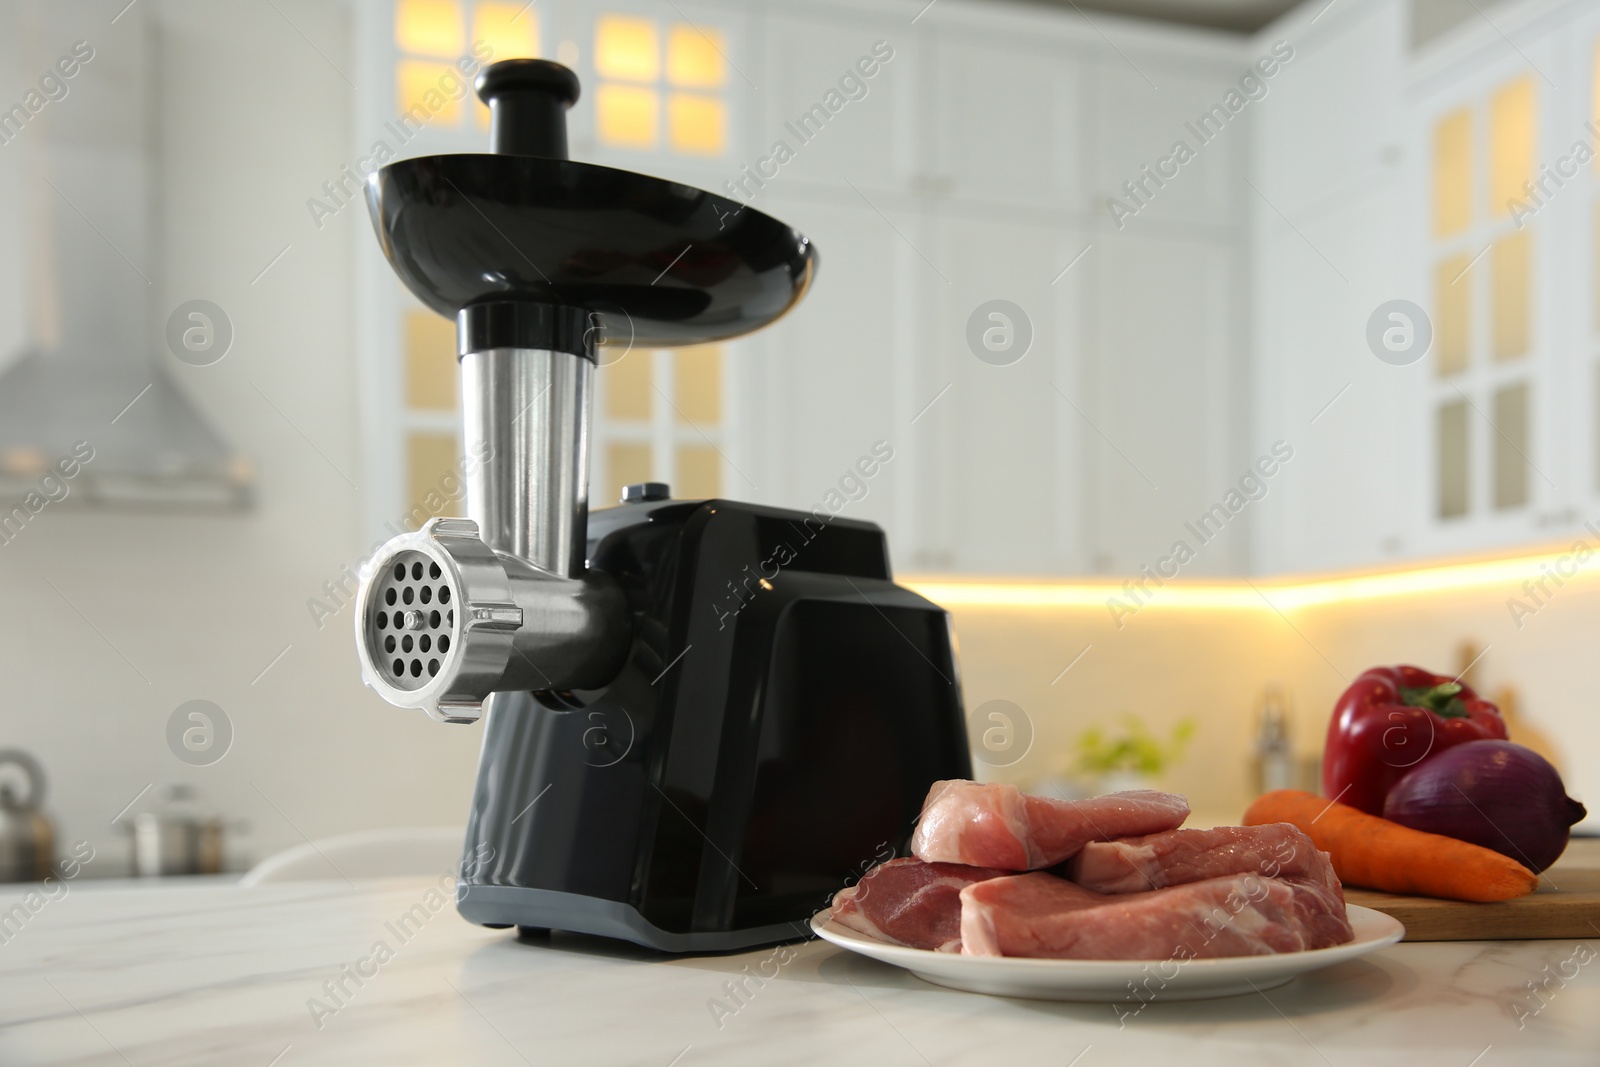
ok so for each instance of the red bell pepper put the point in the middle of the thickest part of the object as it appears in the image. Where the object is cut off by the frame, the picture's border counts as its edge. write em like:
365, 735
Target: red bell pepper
1390, 720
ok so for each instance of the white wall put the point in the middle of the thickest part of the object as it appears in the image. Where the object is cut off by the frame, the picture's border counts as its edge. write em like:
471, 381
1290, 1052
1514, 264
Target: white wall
14, 323
1215, 668
1544, 661
1216, 663
251, 121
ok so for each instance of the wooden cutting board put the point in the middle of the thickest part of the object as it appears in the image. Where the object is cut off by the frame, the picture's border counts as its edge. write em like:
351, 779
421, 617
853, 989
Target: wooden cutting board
1566, 904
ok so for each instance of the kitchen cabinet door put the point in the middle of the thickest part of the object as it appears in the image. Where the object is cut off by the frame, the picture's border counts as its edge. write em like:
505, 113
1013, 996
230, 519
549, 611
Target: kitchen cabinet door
1007, 121
1331, 120
1137, 125
1346, 499
821, 386
995, 446
1163, 410
866, 130
1331, 233
1508, 393
1485, 442
668, 86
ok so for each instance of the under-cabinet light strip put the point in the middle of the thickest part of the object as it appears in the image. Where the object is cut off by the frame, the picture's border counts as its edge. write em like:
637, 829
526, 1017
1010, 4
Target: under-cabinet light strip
1522, 575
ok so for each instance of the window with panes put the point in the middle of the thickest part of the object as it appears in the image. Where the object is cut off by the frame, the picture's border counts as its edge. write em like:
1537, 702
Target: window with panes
658, 87
1484, 158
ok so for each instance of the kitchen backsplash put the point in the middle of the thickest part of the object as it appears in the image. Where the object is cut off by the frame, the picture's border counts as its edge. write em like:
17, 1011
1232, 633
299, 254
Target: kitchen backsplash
1208, 654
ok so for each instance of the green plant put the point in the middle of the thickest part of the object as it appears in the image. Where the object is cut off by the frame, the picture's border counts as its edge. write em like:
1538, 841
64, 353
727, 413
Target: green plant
1134, 748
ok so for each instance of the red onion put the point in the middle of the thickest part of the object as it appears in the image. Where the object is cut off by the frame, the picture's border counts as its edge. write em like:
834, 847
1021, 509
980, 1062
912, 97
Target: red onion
1492, 793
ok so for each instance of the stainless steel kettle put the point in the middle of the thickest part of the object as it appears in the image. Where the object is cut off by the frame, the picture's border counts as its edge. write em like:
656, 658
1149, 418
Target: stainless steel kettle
27, 840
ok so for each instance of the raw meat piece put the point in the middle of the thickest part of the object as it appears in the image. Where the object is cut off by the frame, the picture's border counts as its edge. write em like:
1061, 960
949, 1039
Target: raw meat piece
1041, 915
996, 825
1321, 909
1139, 864
908, 902
1178, 857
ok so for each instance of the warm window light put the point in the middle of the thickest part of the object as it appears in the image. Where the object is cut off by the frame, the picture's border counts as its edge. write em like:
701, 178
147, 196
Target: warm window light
697, 125
699, 473
510, 30
1509, 270
627, 463
423, 84
1594, 103
627, 116
626, 384
1594, 90
694, 58
627, 48
1452, 173
431, 459
1452, 314
429, 27
431, 371
1513, 140
697, 384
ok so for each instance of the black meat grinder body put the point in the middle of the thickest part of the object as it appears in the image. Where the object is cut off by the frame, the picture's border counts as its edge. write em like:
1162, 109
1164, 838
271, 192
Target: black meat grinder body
702, 717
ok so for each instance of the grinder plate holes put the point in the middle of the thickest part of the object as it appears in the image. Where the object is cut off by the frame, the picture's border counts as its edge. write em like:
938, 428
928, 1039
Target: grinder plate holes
411, 621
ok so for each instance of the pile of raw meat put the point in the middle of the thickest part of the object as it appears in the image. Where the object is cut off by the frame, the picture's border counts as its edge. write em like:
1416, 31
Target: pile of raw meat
1111, 877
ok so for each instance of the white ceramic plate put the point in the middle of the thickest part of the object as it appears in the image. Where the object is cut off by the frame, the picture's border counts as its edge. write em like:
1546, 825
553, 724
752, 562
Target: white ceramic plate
1108, 980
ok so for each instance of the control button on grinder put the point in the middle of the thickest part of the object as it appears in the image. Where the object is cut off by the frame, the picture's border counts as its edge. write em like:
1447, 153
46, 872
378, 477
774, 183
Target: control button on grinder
644, 491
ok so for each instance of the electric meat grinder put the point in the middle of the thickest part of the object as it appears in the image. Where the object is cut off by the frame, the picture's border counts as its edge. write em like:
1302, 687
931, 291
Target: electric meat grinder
702, 717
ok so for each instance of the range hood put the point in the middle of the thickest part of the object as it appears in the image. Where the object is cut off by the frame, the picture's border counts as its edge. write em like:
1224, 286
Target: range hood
78, 372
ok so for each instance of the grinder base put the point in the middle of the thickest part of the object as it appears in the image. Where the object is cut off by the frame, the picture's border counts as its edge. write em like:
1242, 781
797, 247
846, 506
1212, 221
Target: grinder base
779, 720
494, 905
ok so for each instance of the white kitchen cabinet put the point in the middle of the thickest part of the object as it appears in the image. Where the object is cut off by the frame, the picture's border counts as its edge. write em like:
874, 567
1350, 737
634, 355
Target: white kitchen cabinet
979, 161
1163, 402
1008, 126
1330, 122
825, 382
1138, 122
997, 448
965, 171
1329, 219
1002, 469
867, 132
1346, 499
1541, 438
1352, 212
940, 193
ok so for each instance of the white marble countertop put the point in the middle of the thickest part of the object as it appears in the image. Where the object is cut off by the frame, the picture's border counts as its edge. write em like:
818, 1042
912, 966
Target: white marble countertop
128, 974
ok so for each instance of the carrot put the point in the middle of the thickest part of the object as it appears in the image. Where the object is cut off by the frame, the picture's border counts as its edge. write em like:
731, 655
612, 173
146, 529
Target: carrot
1373, 852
